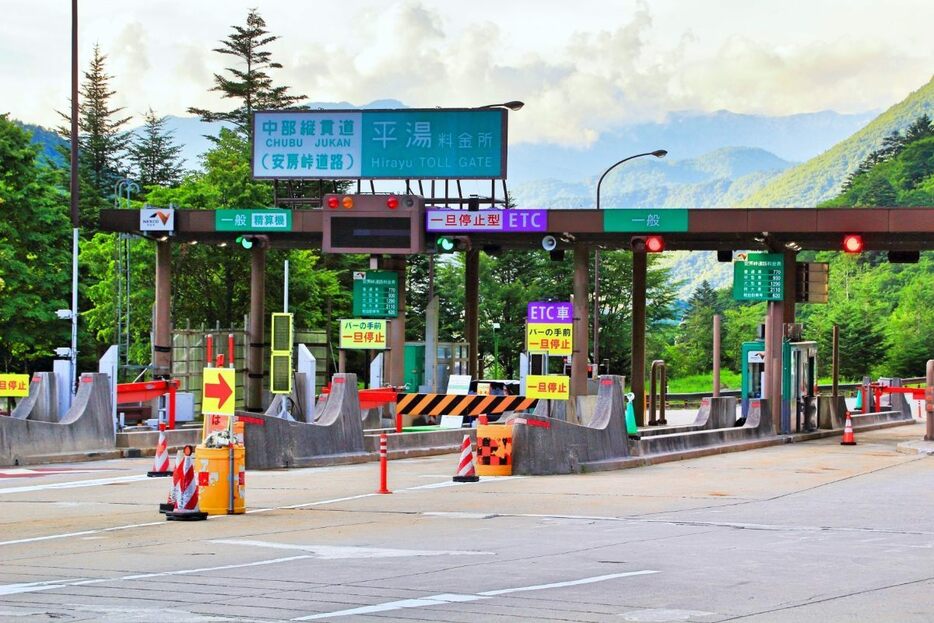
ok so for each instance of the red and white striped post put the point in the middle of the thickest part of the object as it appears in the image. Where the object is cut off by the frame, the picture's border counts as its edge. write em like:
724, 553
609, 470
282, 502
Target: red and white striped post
230, 350
383, 463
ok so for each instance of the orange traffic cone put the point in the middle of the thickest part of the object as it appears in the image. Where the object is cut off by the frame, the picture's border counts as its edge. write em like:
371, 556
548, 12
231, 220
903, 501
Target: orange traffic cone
160, 464
466, 471
848, 438
169, 505
186, 500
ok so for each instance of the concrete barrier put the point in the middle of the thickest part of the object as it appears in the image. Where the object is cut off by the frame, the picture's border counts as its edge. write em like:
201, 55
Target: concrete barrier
87, 428
831, 412
758, 425
335, 437
544, 445
713, 413
41, 405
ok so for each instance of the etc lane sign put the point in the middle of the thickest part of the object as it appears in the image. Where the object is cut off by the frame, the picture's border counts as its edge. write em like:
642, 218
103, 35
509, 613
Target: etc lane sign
506, 221
382, 144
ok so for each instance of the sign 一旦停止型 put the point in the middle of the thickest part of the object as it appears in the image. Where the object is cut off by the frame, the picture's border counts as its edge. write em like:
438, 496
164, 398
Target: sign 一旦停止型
14, 385
506, 221
761, 277
272, 219
548, 387
376, 294
361, 333
645, 220
554, 339
434, 143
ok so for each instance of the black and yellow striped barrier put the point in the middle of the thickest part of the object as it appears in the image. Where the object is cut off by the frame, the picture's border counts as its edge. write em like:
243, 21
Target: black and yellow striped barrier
456, 404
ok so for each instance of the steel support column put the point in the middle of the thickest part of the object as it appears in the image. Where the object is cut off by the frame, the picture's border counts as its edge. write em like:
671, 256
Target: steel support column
162, 322
395, 369
773, 361
257, 337
472, 310
639, 272
929, 402
581, 320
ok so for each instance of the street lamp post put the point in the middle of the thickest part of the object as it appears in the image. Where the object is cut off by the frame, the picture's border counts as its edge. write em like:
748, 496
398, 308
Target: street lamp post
658, 153
496, 349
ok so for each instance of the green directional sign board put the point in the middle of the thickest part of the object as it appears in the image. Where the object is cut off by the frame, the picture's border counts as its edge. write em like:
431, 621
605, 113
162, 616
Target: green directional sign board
375, 294
253, 220
760, 278
434, 143
645, 220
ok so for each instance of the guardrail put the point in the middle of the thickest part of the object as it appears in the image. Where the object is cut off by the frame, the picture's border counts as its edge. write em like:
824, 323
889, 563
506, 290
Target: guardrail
697, 396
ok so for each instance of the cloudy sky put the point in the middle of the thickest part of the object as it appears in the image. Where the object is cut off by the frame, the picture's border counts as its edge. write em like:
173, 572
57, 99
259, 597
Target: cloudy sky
581, 66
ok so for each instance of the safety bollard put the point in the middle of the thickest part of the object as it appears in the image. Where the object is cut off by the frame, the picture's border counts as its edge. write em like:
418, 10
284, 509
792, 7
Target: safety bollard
383, 463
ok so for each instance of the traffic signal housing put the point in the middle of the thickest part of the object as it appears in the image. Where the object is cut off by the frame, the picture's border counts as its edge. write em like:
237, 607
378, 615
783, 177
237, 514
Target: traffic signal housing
648, 244
853, 243
248, 242
450, 244
392, 224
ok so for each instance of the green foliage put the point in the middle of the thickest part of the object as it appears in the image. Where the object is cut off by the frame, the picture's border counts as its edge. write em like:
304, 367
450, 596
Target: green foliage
250, 83
153, 154
101, 140
821, 178
34, 248
697, 383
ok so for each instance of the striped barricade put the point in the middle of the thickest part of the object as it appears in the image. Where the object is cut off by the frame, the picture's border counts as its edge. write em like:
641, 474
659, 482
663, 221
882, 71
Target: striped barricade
436, 405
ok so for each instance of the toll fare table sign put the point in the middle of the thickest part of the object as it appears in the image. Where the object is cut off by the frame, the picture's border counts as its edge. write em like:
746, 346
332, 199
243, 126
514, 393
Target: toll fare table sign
376, 294
761, 277
363, 334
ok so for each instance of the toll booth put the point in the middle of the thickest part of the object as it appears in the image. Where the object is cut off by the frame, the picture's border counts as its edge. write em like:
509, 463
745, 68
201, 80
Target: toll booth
799, 382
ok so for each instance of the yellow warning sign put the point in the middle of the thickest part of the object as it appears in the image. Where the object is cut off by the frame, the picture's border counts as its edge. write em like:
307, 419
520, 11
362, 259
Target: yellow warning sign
219, 391
551, 387
14, 385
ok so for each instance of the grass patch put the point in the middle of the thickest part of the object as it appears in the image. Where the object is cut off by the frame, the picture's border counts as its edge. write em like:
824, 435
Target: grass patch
702, 383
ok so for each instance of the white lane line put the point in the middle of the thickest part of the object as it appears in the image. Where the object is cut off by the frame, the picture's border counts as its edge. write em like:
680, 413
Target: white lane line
73, 484
447, 598
67, 535
340, 552
12, 589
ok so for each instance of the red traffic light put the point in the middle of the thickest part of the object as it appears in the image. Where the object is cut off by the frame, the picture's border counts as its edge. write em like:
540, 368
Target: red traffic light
654, 244
392, 202
333, 202
853, 243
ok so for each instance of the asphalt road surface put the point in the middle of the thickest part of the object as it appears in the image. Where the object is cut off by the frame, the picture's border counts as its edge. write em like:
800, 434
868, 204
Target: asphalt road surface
806, 532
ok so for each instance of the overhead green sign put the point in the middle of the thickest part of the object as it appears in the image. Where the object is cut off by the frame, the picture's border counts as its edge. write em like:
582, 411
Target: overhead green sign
434, 143
645, 221
253, 220
760, 278
376, 294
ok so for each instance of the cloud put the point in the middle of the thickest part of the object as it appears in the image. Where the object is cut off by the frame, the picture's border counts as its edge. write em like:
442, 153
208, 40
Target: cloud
595, 80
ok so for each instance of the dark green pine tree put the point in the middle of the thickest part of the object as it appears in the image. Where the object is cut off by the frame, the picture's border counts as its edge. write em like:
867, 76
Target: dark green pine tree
154, 157
101, 141
250, 84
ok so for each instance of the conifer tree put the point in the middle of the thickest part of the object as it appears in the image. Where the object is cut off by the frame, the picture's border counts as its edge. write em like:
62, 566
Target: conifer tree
153, 154
250, 83
101, 142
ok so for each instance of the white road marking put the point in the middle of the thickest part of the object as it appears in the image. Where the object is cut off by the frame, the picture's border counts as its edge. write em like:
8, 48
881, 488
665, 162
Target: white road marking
88, 483
447, 598
75, 484
12, 589
338, 552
